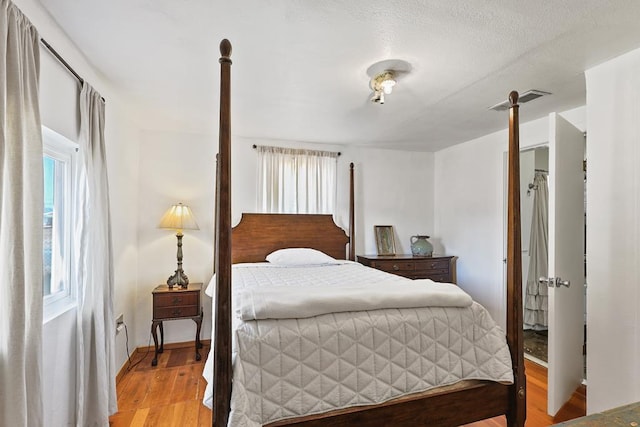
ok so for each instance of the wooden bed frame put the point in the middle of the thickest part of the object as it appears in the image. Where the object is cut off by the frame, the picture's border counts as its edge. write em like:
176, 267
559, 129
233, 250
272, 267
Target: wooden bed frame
259, 234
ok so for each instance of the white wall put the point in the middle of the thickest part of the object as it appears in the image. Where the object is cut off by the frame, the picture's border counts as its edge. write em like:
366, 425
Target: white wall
613, 233
470, 207
122, 140
392, 188
175, 167
59, 109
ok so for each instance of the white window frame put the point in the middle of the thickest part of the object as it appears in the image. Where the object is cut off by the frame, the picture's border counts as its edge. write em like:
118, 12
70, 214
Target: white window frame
63, 150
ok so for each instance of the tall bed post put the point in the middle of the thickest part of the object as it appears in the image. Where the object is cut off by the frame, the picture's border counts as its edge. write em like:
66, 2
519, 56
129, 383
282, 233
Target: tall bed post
222, 338
517, 413
352, 216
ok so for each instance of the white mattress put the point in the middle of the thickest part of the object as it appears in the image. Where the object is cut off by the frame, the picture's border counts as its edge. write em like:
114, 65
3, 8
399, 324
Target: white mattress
284, 368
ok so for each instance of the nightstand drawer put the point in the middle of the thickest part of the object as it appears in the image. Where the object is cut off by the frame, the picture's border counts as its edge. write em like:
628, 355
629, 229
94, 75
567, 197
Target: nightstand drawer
176, 299
392, 266
175, 312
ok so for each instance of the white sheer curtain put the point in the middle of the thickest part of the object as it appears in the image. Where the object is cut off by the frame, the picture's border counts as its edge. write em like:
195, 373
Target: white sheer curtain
296, 181
21, 216
95, 350
536, 295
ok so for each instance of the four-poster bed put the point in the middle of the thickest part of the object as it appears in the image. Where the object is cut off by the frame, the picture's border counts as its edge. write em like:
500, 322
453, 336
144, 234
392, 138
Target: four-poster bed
258, 235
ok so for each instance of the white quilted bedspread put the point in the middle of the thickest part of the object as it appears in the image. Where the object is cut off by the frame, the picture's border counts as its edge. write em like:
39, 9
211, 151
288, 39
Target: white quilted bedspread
289, 367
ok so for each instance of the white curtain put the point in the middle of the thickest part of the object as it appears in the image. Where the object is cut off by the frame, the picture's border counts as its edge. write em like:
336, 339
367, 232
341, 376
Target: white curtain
296, 181
21, 216
536, 295
95, 344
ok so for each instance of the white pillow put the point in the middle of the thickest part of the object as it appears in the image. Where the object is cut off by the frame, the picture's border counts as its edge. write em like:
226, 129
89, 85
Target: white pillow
300, 256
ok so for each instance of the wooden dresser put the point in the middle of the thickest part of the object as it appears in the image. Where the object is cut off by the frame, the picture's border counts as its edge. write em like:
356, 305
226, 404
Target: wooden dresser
439, 268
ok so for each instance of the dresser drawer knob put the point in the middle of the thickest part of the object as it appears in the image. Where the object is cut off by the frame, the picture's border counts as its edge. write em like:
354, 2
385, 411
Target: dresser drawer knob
177, 312
177, 300
395, 267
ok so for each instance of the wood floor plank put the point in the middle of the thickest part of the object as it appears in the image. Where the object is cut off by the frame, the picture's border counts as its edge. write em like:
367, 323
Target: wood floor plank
160, 388
153, 416
180, 357
122, 418
202, 386
185, 386
140, 418
134, 392
205, 416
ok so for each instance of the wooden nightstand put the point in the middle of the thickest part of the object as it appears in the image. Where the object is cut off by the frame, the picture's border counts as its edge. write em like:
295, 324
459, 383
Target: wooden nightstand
438, 268
173, 304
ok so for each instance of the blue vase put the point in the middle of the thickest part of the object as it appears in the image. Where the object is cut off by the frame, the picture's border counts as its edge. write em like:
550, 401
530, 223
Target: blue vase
420, 246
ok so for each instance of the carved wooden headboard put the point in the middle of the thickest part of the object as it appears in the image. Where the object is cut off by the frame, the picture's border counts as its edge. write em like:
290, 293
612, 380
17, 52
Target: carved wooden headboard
257, 235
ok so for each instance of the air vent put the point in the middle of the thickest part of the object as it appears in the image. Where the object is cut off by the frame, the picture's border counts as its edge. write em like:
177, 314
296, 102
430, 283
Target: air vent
527, 96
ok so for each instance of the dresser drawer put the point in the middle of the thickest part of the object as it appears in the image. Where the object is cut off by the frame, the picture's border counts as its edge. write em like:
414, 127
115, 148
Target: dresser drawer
433, 264
174, 312
175, 299
446, 278
437, 268
393, 266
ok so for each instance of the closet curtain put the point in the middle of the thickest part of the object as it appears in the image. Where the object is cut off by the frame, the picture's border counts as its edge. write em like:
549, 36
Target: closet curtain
96, 386
296, 181
536, 295
21, 216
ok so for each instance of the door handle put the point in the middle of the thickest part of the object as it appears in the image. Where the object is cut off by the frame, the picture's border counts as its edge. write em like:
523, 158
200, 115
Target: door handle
554, 282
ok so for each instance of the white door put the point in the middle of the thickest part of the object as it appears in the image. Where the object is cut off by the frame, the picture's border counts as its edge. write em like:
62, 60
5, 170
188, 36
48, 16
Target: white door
566, 261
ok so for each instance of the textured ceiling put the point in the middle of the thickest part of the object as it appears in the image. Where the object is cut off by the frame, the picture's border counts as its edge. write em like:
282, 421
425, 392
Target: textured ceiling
300, 67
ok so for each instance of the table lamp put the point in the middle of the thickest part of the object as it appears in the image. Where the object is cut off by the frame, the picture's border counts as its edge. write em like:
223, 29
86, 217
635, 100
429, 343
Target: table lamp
179, 217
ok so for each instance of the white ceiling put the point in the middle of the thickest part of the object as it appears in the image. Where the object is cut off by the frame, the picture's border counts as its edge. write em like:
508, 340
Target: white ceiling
300, 67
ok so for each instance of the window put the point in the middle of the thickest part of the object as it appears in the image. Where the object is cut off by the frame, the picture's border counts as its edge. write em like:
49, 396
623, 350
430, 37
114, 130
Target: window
59, 162
296, 181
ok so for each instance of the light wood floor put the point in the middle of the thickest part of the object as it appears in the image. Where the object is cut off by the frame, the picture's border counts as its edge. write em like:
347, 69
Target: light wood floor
171, 394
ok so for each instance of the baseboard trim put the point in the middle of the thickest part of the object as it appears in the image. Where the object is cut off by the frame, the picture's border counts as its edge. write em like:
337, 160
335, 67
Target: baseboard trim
125, 366
173, 345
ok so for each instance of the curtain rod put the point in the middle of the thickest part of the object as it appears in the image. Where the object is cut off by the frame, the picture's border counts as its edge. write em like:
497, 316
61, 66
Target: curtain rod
339, 153
63, 62
61, 59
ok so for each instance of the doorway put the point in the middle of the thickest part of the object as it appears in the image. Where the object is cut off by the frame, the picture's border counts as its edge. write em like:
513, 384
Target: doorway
534, 170
534, 197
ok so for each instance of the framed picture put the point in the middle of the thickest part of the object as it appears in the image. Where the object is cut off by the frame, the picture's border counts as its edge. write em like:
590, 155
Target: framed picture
384, 239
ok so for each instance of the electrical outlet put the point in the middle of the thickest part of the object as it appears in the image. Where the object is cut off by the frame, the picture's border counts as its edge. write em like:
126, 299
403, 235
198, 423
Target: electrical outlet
119, 323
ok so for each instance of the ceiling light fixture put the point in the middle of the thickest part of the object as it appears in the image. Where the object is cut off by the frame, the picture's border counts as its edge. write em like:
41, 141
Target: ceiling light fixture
382, 84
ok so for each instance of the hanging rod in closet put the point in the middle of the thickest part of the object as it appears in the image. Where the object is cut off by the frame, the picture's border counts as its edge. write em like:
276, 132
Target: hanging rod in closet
63, 62
533, 186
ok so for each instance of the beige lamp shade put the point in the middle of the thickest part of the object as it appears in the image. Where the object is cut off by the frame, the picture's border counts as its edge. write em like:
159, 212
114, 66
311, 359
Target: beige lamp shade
179, 217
